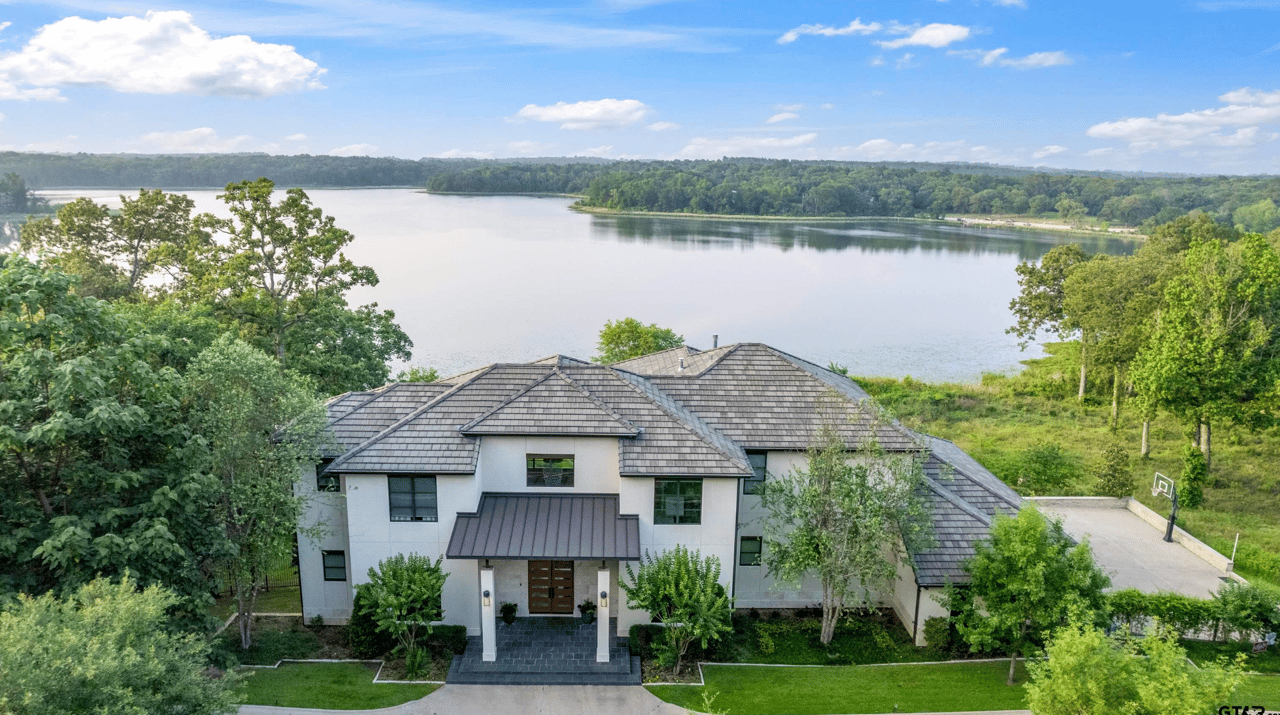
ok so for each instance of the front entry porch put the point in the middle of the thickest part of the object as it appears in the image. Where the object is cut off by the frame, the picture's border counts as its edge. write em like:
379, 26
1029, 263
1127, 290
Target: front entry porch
546, 651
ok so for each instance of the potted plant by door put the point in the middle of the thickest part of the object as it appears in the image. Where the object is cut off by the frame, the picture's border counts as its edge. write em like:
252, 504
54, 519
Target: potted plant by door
588, 608
508, 610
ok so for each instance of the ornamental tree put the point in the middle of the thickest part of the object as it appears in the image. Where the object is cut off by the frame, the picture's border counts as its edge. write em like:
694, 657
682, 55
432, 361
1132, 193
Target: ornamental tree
846, 518
681, 589
1024, 581
629, 338
403, 597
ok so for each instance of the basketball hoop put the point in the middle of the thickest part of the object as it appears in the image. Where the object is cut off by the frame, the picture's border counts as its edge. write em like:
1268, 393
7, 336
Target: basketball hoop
1164, 485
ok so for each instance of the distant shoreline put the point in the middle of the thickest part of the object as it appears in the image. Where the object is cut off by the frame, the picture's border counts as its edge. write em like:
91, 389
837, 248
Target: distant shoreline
963, 221
503, 193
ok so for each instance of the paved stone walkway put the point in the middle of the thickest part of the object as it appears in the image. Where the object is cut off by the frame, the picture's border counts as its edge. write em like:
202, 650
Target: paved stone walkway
546, 651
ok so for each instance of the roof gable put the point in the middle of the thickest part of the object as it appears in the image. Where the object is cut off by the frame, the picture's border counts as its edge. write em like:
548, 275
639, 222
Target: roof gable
553, 405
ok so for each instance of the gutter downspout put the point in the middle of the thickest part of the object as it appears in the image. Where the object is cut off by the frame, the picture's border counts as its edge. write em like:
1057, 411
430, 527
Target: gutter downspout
915, 621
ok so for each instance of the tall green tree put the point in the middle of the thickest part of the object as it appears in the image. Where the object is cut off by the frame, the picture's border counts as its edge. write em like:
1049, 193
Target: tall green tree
1041, 298
1213, 352
101, 473
1088, 672
682, 589
1024, 582
846, 518
282, 277
261, 423
105, 649
114, 252
629, 338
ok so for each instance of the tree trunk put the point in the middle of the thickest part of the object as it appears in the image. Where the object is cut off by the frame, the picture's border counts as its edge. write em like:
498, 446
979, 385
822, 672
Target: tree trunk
830, 613
1115, 398
1206, 443
1080, 396
1146, 438
1013, 663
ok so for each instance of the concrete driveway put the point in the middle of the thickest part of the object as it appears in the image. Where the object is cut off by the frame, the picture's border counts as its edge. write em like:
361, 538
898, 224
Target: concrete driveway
1132, 550
501, 699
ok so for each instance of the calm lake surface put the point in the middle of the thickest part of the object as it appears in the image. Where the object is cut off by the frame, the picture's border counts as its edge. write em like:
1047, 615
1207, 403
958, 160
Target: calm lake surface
480, 279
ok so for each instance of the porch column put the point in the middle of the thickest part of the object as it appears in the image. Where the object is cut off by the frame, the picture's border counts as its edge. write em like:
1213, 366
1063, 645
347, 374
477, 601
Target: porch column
602, 633
488, 597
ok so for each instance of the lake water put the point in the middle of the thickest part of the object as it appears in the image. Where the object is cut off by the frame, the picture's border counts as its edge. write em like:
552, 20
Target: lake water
479, 279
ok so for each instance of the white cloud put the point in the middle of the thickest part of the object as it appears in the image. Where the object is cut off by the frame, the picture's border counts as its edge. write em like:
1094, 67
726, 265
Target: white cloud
1247, 111
529, 148
54, 146
996, 57
934, 34
163, 53
704, 148
663, 126
1009, 3
781, 117
854, 28
1100, 152
595, 114
904, 61
354, 150
296, 138
460, 154
202, 140
788, 107
828, 105
597, 151
877, 61
1049, 150
4, 26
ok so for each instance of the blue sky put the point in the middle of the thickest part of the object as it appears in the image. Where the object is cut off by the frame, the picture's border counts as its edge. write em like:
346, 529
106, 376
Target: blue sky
1180, 85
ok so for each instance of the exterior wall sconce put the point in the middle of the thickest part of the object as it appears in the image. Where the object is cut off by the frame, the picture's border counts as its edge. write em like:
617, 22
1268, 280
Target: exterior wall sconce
487, 601
604, 599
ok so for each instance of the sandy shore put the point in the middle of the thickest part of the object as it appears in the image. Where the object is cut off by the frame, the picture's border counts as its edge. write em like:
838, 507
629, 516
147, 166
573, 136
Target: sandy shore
964, 220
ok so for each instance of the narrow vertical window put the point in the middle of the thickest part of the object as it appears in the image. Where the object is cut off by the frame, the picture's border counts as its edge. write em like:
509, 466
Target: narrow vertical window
749, 550
326, 482
752, 484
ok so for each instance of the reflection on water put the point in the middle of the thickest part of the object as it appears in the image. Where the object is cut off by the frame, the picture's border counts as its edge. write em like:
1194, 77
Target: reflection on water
872, 235
479, 279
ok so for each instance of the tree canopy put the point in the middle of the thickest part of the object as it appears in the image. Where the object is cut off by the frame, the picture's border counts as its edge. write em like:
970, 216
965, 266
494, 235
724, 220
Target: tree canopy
1024, 582
682, 589
846, 518
629, 338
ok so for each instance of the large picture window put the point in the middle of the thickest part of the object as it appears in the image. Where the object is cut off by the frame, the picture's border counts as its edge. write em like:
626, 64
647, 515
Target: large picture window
412, 498
752, 484
549, 470
335, 565
677, 501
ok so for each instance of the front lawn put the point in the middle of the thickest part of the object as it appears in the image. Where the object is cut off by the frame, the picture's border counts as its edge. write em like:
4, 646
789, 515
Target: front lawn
1261, 690
337, 686
752, 690
1202, 652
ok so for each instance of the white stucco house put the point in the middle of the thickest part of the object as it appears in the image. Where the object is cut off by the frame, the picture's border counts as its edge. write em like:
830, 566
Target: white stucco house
538, 482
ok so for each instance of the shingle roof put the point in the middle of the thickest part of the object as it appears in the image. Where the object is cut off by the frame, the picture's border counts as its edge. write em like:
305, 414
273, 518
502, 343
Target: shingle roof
964, 498
764, 399
553, 405
379, 410
546, 526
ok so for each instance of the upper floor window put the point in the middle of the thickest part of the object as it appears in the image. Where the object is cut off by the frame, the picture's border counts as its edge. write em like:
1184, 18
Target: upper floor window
327, 482
549, 470
412, 498
677, 501
752, 484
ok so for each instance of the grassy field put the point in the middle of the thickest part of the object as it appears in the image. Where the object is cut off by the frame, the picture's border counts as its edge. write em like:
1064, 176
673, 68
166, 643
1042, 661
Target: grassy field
338, 686
757, 690
997, 427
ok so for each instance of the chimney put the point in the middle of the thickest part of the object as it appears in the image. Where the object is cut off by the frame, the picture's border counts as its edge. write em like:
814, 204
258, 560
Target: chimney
715, 341
682, 363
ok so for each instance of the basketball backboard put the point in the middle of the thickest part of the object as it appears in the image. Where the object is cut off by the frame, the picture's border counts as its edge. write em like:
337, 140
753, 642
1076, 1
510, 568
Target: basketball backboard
1162, 485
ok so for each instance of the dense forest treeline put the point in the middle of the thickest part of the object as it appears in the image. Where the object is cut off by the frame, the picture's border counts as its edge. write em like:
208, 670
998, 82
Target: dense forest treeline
795, 188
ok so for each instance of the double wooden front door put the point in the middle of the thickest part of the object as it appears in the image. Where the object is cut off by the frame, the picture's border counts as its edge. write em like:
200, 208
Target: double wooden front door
551, 587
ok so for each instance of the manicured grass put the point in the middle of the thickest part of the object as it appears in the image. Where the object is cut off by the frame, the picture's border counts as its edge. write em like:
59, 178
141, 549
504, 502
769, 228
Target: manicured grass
270, 644
760, 690
859, 640
286, 599
1203, 652
339, 686
1261, 690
